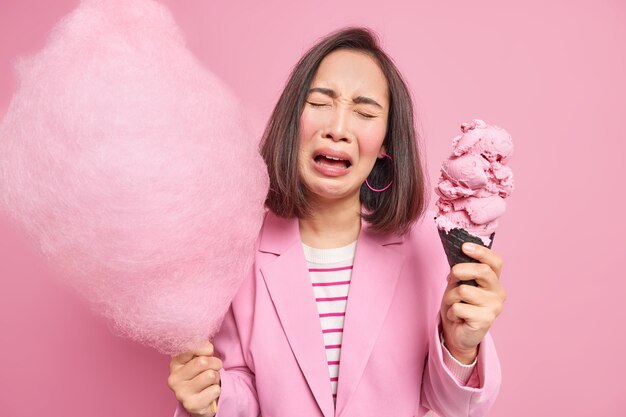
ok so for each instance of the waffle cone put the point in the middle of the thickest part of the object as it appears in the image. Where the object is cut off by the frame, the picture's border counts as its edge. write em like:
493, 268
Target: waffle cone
452, 242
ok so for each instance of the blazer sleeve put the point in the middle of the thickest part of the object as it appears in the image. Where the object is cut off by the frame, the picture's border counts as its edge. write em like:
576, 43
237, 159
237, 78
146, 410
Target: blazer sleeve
238, 395
443, 393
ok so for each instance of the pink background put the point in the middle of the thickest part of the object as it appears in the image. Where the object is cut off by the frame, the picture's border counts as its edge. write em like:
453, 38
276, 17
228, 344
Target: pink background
551, 73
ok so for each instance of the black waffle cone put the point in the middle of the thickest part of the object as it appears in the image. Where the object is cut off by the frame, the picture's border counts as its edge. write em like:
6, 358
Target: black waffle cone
452, 242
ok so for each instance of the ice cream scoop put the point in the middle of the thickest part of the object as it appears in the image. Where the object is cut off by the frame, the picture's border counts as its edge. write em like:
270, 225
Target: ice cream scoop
473, 184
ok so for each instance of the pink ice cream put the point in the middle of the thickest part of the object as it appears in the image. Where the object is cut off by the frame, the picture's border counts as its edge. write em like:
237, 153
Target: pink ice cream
475, 180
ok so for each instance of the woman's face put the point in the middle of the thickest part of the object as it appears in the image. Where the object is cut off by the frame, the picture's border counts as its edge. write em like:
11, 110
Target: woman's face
343, 125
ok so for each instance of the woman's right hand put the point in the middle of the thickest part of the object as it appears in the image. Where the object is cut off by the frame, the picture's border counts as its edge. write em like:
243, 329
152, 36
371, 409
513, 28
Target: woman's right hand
195, 380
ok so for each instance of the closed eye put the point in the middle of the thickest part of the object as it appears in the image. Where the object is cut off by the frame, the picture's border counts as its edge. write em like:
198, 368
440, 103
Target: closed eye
317, 104
366, 115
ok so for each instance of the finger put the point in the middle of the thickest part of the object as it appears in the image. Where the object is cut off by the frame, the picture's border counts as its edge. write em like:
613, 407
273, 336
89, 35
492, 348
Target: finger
489, 301
465, 293
204, 380
206, 349
177, 361
462, 312
473, 316
198, 365
200, 402
186, 389
483, 255
180, 360
217, 378
485, 277
483, 274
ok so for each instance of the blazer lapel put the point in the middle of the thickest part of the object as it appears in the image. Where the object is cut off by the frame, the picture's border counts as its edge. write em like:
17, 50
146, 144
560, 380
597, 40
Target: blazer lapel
288, 282
374, 276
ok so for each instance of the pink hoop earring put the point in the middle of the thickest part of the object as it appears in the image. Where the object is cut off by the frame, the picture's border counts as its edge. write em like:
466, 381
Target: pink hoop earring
381, 189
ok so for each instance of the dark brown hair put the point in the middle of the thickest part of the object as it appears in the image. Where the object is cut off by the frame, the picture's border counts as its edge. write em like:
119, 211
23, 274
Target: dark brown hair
392, 210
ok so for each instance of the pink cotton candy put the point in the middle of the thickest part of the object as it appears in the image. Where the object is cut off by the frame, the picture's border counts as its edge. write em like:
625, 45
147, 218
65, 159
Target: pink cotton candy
132, 167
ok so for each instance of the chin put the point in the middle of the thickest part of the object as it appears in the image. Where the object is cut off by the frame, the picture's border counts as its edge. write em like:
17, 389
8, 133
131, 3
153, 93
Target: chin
333, 194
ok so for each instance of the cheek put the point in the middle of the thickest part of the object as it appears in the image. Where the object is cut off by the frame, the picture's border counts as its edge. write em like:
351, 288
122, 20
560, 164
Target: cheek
371, 139
308, 127
309, 124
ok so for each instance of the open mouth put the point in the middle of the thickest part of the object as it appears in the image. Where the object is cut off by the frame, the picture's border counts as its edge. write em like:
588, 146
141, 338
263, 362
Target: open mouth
332, 161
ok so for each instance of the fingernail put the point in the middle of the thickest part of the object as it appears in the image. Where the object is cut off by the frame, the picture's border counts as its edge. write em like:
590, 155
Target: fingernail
469, 247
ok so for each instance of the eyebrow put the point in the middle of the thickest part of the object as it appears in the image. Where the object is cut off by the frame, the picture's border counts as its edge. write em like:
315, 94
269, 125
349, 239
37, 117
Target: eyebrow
333, 94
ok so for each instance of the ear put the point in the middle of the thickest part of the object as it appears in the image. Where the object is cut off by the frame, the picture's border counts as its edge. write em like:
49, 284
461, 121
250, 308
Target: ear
382, 152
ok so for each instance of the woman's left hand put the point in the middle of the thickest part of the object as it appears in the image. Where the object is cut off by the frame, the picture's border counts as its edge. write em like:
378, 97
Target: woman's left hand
466, 323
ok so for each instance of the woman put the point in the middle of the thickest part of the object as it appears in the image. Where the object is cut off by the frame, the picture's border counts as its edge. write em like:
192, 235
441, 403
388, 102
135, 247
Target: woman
346, 311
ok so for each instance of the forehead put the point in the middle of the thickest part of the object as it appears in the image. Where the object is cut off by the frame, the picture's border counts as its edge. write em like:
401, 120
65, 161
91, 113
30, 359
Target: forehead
352, 73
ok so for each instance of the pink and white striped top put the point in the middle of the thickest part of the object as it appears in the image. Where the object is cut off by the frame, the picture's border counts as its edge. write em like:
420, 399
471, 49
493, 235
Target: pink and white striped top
330, 271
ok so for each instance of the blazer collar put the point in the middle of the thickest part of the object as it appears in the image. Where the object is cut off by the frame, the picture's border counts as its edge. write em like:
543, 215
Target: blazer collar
377, 266
280, 233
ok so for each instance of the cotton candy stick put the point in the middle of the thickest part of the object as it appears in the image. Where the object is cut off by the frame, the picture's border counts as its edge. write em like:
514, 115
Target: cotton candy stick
132, 168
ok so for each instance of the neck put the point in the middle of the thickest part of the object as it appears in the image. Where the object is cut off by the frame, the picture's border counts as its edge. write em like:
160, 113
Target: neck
331, 224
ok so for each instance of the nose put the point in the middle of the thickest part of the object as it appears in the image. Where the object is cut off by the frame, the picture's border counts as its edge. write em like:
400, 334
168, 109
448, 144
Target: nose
338, 127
